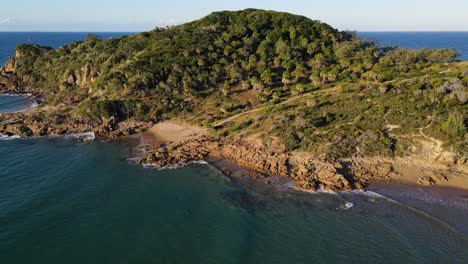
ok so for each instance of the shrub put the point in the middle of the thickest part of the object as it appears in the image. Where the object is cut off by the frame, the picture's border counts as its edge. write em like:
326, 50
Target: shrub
454, 125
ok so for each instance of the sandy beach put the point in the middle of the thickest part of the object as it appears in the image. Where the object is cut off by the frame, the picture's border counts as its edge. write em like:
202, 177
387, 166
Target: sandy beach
171, 132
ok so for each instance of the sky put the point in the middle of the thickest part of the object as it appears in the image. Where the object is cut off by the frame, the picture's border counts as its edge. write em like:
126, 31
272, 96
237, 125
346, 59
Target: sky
142, 15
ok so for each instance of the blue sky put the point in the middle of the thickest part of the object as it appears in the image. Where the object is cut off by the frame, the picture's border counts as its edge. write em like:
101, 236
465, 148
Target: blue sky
141, 15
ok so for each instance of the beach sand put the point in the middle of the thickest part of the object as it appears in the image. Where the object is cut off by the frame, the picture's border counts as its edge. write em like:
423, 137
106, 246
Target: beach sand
171, 132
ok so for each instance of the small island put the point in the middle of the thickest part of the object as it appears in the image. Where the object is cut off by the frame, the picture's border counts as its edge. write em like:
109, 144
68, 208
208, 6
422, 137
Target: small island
271, 92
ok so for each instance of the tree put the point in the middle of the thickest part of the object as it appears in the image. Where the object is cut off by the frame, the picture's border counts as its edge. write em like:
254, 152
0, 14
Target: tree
225, 89
292, 33
267, 77
251, 63
257, 83
300, 71
286, 78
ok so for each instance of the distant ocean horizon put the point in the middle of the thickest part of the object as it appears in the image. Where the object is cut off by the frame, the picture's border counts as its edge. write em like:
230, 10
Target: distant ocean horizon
457, 40
9, 40
405, 39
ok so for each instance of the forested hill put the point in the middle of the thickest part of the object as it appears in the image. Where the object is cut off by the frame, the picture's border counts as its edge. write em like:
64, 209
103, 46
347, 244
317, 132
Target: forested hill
228, 63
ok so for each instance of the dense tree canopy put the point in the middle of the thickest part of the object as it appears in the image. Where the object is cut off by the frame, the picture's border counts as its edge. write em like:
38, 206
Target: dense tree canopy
266, 55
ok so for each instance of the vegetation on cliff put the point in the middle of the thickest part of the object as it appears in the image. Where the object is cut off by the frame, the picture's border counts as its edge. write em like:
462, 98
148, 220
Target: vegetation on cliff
291, 82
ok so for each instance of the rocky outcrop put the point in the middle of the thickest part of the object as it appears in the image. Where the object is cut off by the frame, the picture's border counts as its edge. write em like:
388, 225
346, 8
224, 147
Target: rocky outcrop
37, 123
309, 174
82, 77
10, 66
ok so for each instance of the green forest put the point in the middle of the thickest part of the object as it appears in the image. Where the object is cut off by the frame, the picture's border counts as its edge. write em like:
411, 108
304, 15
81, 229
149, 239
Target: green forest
276, 76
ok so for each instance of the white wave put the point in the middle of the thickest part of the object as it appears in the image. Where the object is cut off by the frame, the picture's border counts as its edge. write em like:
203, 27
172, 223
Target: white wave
202, 162
86, 136
174, 166
33, 105
9, 137
148, 165
314, 192
363, 192
9, 94
348, 205
327, 191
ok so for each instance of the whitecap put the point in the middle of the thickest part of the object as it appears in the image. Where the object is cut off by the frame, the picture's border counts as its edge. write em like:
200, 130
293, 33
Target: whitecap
327, 191
9, 137
201, 162
321, 191
348, 205
86, 136
174, 166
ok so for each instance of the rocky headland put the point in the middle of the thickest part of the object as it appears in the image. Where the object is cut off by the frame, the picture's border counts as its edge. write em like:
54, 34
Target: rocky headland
284, 95
306, 171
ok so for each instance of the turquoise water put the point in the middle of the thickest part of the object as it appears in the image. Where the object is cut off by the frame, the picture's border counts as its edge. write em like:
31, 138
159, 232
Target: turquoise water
15, 103
64, 201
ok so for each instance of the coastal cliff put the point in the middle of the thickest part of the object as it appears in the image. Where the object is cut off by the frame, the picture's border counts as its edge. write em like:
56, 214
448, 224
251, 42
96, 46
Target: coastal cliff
280, 94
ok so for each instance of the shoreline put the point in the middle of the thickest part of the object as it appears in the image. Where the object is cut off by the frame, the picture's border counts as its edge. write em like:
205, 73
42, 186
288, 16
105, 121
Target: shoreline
33, 101
447, 204
170, 142
441, 201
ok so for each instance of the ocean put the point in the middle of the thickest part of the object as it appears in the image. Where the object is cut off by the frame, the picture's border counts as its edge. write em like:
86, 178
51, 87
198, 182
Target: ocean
9, 40
64, 200
412, 40
16, 103
418, 40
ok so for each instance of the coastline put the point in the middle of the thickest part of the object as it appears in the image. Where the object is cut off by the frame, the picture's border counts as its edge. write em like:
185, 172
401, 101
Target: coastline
396, 180
32, 101
45, 120
446, 201
447, 204
171, 142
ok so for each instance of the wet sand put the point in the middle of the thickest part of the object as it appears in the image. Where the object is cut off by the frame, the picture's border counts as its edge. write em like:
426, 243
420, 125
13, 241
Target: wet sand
449, 205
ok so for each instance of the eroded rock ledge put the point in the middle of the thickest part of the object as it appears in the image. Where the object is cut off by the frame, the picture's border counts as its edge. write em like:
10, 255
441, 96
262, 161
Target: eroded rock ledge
306, 172
38, 123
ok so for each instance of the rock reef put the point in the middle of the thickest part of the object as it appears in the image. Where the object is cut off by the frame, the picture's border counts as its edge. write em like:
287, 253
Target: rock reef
307, 172
36, 123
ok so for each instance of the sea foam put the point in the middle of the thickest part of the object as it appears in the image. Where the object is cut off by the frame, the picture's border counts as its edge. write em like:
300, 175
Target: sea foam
86, 136
9, 137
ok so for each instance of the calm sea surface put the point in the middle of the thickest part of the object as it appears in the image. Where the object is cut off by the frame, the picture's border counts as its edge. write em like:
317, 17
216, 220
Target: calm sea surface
15, 103
419, 40
67, 201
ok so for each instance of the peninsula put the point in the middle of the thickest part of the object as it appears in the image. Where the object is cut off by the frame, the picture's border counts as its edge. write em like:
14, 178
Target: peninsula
274, 93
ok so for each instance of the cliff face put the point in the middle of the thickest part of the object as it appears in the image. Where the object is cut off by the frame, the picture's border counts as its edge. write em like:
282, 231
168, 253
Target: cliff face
10, 66
82, 77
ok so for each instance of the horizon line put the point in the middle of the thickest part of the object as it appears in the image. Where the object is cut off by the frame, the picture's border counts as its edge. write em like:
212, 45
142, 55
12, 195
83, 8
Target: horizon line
115, 31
